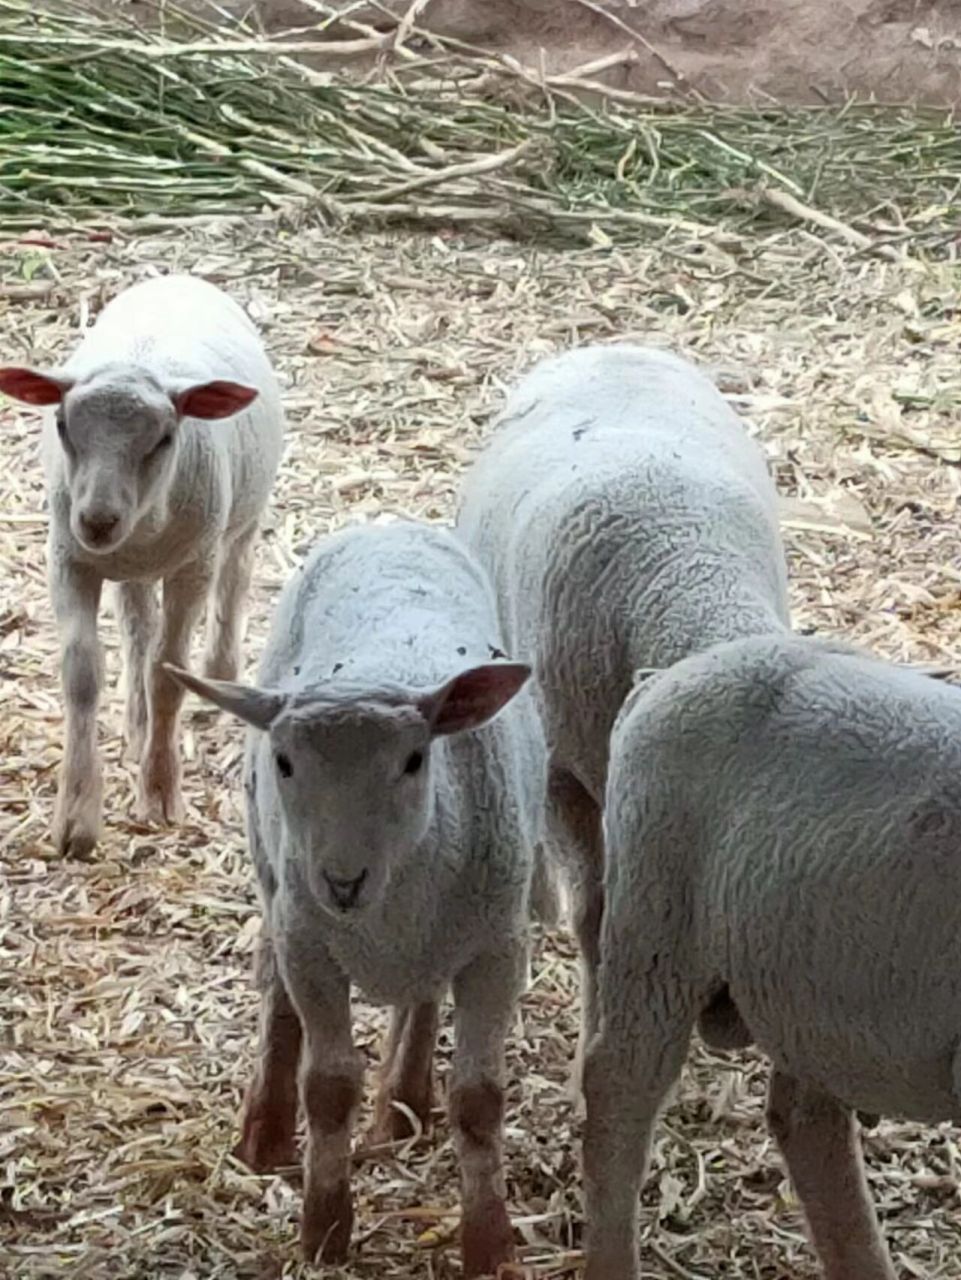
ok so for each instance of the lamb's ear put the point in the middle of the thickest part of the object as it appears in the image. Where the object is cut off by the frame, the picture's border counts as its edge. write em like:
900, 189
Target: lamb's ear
32, 386
218, 399
473, 697
259, 707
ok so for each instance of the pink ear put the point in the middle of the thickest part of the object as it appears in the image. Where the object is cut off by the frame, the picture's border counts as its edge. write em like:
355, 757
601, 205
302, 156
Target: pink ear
32, 387
474, 697
214, 399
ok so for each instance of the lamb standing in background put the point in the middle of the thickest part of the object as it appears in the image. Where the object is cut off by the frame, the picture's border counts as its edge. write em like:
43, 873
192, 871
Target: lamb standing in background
394, 849
813, 875
627, 520
142, 489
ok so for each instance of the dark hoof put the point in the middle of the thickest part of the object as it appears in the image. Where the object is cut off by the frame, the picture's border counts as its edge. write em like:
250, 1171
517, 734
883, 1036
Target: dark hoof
327, 1224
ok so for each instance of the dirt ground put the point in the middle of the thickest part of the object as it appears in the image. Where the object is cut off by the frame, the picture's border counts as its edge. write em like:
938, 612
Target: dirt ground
128, 1014
796, 51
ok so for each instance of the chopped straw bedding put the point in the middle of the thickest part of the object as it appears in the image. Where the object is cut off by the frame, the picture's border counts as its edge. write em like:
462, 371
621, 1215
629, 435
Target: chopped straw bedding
127, 1018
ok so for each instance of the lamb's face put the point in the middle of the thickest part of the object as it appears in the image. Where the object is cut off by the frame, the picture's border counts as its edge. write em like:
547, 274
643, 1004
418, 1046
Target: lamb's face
354, 782
119, 444
353, 771
118, 431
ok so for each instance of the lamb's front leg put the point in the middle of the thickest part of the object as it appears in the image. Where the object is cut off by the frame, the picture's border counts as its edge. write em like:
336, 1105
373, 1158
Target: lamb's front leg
75, 595
331, 1084
184, 596
485, 996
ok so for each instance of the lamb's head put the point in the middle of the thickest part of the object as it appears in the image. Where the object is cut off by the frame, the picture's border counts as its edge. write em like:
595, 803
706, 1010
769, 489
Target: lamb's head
119, 433
353, 768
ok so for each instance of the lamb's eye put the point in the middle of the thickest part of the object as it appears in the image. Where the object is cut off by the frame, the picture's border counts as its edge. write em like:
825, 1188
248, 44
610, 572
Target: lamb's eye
284, 766
161, 445
414, 762
61, 422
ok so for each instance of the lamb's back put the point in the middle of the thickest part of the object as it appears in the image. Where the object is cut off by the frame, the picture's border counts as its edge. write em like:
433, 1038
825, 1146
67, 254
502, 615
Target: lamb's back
626, 518
174, 325
405, 597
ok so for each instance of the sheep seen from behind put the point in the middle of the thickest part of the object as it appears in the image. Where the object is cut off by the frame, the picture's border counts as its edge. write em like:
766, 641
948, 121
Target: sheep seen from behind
626, 519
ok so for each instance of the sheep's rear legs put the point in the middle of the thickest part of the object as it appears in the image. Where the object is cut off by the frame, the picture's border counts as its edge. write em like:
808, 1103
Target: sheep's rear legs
407, 1074
269, 1124
574, 826
75, 594
138, 618
159, 799
225, 608
820, 1144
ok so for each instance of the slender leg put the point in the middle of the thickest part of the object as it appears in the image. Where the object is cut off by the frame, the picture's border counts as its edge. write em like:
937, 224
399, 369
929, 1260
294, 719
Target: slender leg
545, 894
269, 1125
485, 994
819, 1141
75, 595
138, 618
331, 1085
225, 608
574, 827
160, 798
631, 1064
407, 1075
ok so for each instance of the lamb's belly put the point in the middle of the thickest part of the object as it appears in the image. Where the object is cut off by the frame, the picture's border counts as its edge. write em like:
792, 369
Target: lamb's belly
919, 1079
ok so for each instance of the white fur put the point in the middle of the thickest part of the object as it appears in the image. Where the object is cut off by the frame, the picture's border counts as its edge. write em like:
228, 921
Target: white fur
626, 520
365, 643
186, 497
783, 828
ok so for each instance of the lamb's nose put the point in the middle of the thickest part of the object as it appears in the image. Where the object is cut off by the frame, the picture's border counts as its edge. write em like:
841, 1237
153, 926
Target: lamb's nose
98, 528
345, 892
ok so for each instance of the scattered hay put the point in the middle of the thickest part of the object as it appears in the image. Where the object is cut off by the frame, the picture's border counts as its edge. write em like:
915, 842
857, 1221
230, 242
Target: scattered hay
128, 1015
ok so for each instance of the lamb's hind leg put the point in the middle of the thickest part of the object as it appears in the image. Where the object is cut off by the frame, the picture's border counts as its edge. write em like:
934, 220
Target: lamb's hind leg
721, 1025
137, 616
269, 1125
407, 1075
819, 1140
160, 798
576, 836
225, 608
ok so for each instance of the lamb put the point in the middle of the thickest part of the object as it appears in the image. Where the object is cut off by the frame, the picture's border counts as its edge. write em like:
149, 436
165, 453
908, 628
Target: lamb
393, 839
141, 489
626, 520
812, 876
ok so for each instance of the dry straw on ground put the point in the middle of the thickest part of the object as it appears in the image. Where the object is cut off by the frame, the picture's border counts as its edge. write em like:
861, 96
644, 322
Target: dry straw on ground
128, 1013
